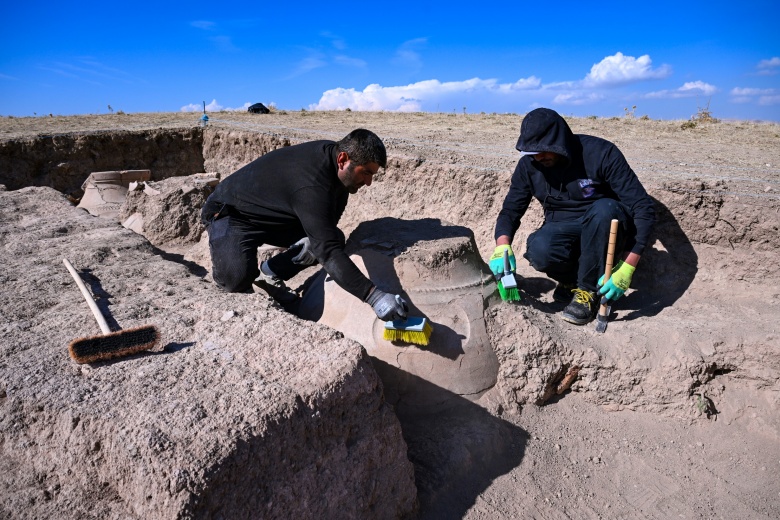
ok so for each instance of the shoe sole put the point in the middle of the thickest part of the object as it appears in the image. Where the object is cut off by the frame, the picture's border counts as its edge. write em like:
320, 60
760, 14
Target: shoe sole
575, 320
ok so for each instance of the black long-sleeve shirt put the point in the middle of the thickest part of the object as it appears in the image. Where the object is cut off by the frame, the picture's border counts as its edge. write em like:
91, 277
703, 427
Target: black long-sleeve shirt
592, 168
294, 191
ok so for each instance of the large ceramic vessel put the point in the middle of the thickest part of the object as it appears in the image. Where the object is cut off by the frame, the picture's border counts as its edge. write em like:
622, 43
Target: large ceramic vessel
105, 192
437, 268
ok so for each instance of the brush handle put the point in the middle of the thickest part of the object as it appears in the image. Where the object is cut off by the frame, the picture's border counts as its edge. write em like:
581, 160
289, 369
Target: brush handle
613, 229
507, 265
87, 296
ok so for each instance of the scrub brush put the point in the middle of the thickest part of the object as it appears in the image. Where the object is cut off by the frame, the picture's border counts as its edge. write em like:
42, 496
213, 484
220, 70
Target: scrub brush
413, 329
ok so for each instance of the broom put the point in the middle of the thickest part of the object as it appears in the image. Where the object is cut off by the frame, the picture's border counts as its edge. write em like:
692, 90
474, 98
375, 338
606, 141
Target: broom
414, 329
507, 284
110, 344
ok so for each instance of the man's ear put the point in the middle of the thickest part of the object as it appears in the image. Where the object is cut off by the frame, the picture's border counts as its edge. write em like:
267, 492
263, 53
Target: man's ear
342, 159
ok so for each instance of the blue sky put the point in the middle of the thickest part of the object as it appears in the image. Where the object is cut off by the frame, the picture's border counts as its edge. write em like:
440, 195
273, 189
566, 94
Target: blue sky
580, 58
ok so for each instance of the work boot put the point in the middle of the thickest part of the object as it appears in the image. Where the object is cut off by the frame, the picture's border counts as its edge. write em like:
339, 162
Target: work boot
582, 308
276, 289
563, 293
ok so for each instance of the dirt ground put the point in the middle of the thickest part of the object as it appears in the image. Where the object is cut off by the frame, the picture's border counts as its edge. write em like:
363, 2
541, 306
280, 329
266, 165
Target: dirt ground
705, 309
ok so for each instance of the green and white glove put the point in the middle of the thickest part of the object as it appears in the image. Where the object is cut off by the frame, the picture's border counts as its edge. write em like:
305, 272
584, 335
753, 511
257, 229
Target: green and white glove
497, 260
618, 282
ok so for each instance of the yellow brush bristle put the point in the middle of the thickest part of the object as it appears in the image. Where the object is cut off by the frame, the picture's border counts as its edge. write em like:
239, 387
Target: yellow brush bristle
421, 338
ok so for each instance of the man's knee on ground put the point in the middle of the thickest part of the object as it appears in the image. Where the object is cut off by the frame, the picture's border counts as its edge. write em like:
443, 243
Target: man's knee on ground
605, 209
536, 252
242, 287
236, 282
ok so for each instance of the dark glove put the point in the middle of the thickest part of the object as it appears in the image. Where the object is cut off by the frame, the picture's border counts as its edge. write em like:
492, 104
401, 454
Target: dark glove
305, 256
388, 307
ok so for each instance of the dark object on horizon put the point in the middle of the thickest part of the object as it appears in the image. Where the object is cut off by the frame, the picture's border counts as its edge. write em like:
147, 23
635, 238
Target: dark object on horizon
258, 108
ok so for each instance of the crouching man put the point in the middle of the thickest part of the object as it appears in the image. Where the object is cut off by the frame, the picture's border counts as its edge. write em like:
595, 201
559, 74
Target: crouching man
293, 197
582, 182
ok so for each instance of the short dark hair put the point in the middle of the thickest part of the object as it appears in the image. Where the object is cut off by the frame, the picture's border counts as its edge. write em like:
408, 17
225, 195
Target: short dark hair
363, 146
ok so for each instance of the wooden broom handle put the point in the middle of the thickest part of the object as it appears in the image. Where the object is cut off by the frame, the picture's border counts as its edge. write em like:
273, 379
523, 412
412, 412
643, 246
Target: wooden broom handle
87, 296
613, 229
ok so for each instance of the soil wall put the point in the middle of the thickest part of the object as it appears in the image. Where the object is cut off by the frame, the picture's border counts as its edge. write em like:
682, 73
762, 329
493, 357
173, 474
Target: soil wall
64, 161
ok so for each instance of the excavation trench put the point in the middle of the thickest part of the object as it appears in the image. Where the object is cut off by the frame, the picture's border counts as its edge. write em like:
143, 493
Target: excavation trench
452, 197
422, 229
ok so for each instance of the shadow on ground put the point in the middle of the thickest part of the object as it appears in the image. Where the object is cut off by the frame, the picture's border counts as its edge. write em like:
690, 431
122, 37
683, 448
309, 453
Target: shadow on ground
457, 452
668, 267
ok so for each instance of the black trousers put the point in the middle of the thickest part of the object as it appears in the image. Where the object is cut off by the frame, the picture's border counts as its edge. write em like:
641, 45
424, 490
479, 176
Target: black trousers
575, 251
233, 243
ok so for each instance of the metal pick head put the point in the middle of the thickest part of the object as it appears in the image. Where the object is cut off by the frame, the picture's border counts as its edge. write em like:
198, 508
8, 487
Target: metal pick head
603, 319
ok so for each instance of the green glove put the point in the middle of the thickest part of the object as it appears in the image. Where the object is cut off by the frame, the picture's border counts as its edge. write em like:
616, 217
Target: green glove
497, 260
618, 282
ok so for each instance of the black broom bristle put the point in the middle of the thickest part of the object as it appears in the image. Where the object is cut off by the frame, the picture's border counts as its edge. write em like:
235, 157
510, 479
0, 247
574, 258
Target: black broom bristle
117, 344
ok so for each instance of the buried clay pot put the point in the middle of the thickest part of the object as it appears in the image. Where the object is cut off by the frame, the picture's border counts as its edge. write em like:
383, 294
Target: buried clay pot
105, 192
436, 268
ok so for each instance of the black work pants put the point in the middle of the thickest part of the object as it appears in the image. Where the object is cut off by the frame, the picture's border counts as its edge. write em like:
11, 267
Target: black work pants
233, 243
575, 251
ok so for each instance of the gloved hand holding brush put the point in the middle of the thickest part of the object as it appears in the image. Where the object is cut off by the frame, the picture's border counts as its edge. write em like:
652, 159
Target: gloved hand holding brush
388, 307
618, 282
497, 260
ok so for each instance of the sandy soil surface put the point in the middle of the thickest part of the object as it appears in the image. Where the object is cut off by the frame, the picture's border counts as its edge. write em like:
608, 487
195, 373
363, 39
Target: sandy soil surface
587, 453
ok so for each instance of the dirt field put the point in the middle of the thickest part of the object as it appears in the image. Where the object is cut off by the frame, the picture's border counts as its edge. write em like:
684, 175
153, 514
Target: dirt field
675, 411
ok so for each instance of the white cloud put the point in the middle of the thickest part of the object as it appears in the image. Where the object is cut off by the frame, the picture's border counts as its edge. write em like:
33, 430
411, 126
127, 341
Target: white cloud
407, 55
761, 96
336, 41
350, 62
737, 91
318, 58
769, 100
620, 69
314, 61
529, 83
769, 67
564, 85
698, 87
212, 107
689, 89
597, 86
410, 98
203, 24
578, 98
224, 43
91, 71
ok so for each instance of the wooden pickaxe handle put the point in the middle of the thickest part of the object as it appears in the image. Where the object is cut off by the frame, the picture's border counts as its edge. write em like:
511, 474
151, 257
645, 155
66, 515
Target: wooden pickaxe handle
613, 229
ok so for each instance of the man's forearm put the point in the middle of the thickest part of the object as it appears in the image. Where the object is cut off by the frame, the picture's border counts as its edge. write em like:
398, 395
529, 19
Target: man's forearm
631, 259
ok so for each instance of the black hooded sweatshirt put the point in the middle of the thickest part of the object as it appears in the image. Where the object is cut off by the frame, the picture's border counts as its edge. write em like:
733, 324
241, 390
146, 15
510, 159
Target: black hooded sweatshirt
593, 168
294, 192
